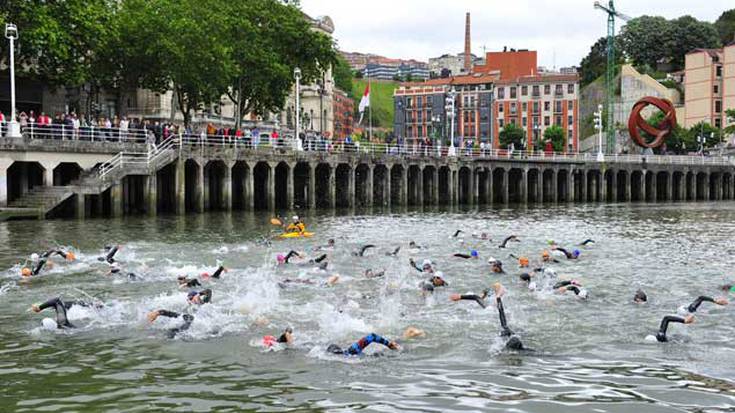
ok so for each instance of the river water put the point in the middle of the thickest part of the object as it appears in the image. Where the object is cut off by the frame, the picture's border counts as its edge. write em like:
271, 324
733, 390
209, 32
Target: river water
590, 355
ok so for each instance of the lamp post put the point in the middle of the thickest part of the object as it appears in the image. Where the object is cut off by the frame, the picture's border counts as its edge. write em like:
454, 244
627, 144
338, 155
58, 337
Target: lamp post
451, 100
536, 132
598, 127
11, 33
297, 76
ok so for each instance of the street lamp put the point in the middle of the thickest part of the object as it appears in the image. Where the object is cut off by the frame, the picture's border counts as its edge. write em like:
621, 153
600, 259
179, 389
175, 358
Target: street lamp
598, 127
451, 100
11, 33
297, 76
536, 132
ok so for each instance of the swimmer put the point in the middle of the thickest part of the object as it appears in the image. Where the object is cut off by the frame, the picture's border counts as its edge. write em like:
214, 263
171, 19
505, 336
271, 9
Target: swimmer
427, 287
456, 233
286, 338
199, 297
728, 288
570, 255
426, 266
692, 308
473, 254
483, 236
188, 319
472, 297
574, 286
496, 266
587, 242
413, 332
361, 251
27, 272
640, 297
217, 274
661, 335
330, 281
412, 245
369, 273
358, 347
69, 256
328, 247
507, 240
514, 342
60, 307
546, 257
116, 269
291, 254
394, 253
526, 278
523, 262
111, 251
185, 282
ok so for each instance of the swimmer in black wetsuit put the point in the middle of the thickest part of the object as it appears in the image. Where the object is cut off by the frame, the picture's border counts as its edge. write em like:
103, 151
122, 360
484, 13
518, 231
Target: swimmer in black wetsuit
293, 253
199, 297
661, 335
456, 233
111, 251
361, 251
479, 299
286, 338
359, 346
427, 287
60, 307
329, 246
394, 253
587, 242
496, 267
216, 274
188, 319
574, 286
640, 297
692, 308
330, 281
115, 269
570, 255
369, 273
507, 240
473, 254
185, 282
514, 342
426, 266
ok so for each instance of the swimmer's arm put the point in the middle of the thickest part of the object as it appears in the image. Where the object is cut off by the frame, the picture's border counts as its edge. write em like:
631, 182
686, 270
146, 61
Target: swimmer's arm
414, 265
50, 303
290, 254
153, 315
218, 272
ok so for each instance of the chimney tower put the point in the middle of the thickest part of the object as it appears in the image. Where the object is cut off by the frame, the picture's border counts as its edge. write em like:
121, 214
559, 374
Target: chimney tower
467, 46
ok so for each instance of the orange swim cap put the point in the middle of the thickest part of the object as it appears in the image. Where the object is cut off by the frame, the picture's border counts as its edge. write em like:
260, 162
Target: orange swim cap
545, 254
70, 256
523, 261
25, 272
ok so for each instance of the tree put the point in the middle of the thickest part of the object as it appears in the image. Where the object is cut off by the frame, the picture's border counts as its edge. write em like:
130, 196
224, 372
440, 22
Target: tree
342, 74
647, 40
555, 134
358, 74
730, 113
689, 34
725, 26
512, 133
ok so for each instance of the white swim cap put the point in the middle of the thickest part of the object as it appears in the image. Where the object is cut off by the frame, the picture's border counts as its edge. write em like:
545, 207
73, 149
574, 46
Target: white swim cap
425, 263
583, 294
48, 324
532, 285
683, 310
34, 257
295, 218
491, 260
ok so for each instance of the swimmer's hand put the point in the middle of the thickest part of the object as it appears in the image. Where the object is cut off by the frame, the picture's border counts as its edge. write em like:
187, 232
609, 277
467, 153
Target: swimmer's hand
394, 346
35, 308
455, 297
152, 316
721, 301
689, 319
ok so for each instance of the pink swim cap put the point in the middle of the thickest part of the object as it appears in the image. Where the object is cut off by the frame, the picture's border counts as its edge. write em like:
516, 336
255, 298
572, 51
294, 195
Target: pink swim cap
269, 341
281, 259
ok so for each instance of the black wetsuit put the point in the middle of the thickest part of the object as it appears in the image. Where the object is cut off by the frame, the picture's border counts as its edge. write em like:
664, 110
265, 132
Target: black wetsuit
460, 255
49, 253
39, 266
357, 348
205, 296
60, 307
569, 286
218, 273
661, 335
131, 276
188, 318
361, 251
190, 283
476, 298
589, 241
110, 257
695, 305
395, 252
415, 266
316, 260
508, 239
456, 234
569, 255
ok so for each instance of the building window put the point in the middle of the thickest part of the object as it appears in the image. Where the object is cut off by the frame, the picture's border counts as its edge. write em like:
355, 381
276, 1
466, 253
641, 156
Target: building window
513, 121
571, 120
716, 89
512, 108
501, 93
535, 107
570, 135
524, 122
547, 106
547, 121
718, 123
719, 71
512, 92
409, 102
558, 106
570, 105
500, 108
419, 101
557, 120
524, 90
536, 91
501, 123
570, 88
559, 90
547, 89
535, 120
718, 106
525, 107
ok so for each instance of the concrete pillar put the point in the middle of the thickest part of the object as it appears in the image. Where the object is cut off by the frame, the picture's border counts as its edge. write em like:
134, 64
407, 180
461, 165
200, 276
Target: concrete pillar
593, 188
370, 185
504, 187
351, 186
289, 185
603, 186
249, 186
420, 187
180, 187
271, 186
571, 191
312, 185
582, 185
48, 173
669, 193
554, 186
205, 183
116, 199
643, 189
489, 187
654, 187
4, 165
613, 197
471, 187
387, 194
332, 186
435, 186
682, 187
719, 187
199, 189
151, 194
227, 187
79, 205
524, 186
404, 186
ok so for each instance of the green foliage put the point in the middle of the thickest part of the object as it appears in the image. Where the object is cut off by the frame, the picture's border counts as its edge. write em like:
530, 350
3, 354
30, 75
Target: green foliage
555, 134
358, 74
725, 26
689, 34
512, 133
730, 113
342, 74
381, 101
594, 65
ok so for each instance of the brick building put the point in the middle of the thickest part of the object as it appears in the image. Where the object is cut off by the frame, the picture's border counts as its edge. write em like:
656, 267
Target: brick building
344, 108
506, 89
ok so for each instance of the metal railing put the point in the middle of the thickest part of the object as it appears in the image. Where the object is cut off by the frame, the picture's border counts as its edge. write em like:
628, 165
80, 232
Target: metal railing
63, 132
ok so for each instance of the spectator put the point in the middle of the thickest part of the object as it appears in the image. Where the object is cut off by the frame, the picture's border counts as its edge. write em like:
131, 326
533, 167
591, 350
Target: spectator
2, 122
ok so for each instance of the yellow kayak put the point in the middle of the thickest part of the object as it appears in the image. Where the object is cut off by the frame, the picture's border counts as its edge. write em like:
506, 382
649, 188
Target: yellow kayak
296, 235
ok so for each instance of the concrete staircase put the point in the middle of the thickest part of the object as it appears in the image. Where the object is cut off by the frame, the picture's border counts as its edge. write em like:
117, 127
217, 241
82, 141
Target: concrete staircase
41, 200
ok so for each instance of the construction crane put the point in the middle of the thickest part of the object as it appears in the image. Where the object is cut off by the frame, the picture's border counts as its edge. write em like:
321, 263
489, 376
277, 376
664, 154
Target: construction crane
610, 73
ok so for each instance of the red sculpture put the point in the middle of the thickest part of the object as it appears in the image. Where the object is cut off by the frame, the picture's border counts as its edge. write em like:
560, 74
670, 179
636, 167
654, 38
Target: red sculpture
664, 129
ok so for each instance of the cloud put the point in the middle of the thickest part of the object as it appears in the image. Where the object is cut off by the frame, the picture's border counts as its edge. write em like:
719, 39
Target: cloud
562, 31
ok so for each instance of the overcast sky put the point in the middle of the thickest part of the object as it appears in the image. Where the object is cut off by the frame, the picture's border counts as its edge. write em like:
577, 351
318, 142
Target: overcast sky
562, 31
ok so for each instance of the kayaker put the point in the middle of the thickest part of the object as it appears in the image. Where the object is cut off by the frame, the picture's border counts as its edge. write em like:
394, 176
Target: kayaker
296, 226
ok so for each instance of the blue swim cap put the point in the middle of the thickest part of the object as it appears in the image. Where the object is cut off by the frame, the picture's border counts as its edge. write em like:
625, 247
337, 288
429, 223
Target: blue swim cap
191, 294
474, 253
576, 253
